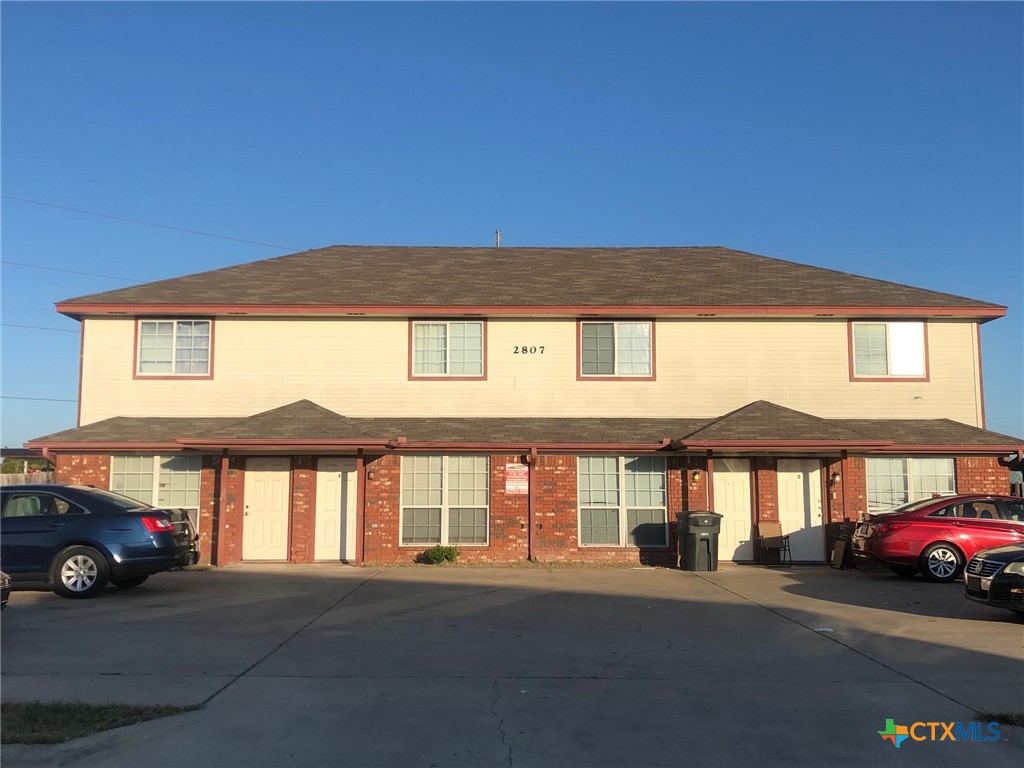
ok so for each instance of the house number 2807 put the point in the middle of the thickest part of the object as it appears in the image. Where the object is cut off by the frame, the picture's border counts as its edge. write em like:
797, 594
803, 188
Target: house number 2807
524, 350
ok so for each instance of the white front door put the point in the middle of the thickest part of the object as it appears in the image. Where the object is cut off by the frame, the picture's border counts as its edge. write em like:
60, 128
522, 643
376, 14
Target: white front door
732, 499
265, 524
335, 534
800, 509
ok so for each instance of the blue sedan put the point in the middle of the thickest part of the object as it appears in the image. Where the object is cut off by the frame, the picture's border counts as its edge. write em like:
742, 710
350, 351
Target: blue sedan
79, 538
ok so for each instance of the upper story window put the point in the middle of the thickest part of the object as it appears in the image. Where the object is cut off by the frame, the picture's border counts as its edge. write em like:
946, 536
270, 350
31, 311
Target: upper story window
616, 348
446, 349
174, 348
890, 350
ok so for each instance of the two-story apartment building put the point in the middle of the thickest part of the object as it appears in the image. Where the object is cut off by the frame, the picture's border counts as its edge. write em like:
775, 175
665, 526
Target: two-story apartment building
364, 403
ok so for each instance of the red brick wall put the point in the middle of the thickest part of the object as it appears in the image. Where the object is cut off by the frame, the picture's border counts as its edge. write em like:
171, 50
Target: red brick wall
981, 475
303, 510
383, 503
557, 533
693, 490
555, 517
82, 469
228, 547
509, 520
554, 508
852, 487
207, 507
766, 489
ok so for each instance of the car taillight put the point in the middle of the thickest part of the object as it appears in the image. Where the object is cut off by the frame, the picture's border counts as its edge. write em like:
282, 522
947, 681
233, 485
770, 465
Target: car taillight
889, 527
157, 524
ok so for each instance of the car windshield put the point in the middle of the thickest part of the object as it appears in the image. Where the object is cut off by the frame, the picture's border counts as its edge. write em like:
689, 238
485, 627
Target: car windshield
122, 502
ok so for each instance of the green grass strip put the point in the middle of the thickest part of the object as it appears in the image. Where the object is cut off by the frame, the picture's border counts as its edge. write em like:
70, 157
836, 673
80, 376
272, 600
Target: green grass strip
57, 722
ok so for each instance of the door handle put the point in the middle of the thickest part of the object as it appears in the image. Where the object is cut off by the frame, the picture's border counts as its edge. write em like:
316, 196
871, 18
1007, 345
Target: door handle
57, 524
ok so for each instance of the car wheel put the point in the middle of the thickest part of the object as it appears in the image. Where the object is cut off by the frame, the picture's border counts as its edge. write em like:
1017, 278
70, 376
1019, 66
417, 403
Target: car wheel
79, 572
941, 562
131, 581
906, 571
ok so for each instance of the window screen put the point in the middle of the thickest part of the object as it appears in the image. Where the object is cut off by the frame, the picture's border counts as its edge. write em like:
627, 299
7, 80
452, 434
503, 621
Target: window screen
622, 495
445, 499
448, 348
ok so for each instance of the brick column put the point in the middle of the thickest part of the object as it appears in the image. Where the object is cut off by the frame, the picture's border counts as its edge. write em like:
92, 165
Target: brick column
208, 489
766, 495
383, 504
229, 534
303, 510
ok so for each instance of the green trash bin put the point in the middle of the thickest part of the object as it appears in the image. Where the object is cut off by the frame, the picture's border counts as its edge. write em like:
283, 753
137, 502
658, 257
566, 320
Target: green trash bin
698, 540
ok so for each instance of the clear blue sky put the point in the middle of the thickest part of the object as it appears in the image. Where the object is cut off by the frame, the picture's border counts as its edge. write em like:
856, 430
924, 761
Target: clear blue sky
882, 139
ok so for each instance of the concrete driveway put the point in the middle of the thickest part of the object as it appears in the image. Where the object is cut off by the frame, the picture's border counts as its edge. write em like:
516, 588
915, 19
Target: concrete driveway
421, 666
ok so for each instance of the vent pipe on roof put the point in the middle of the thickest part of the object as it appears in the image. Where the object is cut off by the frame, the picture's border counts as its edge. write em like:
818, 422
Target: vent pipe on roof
497, 238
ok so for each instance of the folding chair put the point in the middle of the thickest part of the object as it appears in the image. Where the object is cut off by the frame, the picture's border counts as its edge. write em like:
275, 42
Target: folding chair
772, 539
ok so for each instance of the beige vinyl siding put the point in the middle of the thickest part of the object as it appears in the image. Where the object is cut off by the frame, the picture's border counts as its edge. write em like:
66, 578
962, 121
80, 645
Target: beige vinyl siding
359, 367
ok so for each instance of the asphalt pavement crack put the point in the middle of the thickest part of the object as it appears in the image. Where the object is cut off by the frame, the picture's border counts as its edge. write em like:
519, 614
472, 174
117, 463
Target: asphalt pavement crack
501, 721
287, 640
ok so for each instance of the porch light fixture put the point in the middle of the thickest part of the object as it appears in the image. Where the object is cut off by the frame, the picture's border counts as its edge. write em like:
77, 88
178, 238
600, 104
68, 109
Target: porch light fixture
695, 475
835, 478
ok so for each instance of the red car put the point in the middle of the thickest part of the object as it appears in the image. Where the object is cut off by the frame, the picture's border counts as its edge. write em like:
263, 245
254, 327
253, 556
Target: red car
937, 536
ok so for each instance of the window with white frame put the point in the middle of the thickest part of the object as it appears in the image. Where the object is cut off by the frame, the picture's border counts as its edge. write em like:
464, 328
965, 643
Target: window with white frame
622, 501
163, 481
893, 481
616, 348
889, 349
454, 348
445, 500
174, 347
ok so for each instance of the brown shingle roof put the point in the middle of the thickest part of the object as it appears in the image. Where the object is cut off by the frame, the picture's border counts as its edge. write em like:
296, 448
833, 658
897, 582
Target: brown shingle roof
927, 432
534, 430
763, 421
302, 419
132, 429
758, 422
434, 276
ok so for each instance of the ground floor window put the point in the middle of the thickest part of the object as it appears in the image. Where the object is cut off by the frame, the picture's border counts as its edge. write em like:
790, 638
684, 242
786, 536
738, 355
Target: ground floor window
622, 501
163, 481
445, 499
893, 481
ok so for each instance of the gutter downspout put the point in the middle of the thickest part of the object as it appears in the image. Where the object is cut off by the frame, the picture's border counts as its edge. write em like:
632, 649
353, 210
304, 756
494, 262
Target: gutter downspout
360, 505
710, 485
531, 463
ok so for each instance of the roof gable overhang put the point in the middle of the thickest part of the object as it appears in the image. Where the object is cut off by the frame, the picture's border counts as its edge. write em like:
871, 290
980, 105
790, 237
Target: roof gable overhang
79, 311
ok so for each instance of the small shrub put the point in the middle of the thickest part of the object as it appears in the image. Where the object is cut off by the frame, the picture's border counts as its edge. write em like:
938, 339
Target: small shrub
438, 554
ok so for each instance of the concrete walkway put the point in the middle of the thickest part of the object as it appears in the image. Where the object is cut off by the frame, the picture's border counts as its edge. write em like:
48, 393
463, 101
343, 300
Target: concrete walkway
330, 665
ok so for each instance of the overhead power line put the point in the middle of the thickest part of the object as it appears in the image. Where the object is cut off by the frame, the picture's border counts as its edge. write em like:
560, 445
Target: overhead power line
38, 328
69, 271
149, 223
47, 399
